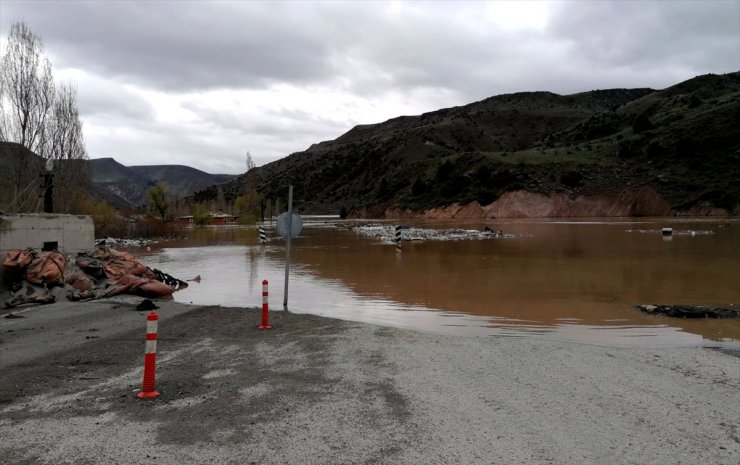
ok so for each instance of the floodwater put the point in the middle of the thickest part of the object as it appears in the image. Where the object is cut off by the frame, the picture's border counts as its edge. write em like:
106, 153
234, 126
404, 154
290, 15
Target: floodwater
567, 280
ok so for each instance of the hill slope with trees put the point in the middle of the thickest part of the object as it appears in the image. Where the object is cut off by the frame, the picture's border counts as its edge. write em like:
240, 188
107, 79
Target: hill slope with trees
127, 185
682, 144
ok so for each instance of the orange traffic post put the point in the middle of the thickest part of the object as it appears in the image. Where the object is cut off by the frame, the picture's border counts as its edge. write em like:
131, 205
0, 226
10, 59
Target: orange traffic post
150, 358
265, 308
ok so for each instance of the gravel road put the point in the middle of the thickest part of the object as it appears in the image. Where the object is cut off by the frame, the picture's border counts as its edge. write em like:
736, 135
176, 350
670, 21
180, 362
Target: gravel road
322, 391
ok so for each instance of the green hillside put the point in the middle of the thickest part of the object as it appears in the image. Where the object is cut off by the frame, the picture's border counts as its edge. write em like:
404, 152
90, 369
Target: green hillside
181, 180
126, 185
683, 141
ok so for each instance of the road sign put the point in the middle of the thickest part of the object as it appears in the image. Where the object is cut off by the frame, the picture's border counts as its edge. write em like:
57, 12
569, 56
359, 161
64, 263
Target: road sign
296, 225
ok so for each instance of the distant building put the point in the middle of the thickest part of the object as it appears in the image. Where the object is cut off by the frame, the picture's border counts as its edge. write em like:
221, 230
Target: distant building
214, 219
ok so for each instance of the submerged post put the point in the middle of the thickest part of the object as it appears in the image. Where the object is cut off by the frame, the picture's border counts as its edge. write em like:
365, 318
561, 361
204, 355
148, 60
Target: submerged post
263, 234
398, 239
287, 245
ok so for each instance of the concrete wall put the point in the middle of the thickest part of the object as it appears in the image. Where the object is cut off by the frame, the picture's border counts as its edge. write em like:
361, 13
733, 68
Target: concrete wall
72, 233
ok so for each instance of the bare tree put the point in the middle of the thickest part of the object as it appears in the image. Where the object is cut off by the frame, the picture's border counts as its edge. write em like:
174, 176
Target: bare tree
27, 88
250, 162
26, 98
252, 198
66, 145
45, 121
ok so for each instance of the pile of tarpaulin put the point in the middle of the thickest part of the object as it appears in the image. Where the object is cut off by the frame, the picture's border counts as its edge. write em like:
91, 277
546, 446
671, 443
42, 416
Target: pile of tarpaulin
104, 272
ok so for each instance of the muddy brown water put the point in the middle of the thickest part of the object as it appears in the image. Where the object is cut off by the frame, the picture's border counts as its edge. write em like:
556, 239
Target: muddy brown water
571, 280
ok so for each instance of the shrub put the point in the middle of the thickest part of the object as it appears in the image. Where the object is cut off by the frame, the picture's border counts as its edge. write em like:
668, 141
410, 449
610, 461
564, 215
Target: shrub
420, 187
444, 170
200, 215
641, 124
685, 148
247, 219
571, 179
107, 221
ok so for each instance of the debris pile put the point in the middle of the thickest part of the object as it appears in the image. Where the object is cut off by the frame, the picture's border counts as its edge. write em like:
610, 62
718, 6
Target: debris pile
689, 311
125, 243
674, 232
387, 233
37, 277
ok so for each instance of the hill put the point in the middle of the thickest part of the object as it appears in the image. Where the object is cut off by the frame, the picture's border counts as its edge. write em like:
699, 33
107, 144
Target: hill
126, 185
675, 150
19, 177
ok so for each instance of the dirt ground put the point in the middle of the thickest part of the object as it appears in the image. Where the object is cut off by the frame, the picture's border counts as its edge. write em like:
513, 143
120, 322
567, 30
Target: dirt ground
318, 390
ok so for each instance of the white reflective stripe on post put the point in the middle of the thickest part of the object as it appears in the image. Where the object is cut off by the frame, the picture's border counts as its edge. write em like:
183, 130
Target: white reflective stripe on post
264, 293
151, 347
151, 326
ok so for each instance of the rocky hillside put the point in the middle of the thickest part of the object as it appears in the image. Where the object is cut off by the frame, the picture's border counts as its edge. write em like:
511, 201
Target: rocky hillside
126, 185
633, 151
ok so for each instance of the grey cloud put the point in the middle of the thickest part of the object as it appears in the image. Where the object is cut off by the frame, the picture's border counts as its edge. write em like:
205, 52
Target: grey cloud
147, 144
700, 36
431, 55
98, 101
275, 125
180, 46
188, 46
216, 144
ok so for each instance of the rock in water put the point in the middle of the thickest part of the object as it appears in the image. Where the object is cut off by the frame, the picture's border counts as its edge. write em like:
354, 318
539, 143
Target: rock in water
689, 311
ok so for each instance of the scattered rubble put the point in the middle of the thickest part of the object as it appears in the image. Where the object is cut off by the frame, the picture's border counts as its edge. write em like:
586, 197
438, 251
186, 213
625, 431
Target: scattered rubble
674, 232
689, 311
387, 233
123, 243
42, 277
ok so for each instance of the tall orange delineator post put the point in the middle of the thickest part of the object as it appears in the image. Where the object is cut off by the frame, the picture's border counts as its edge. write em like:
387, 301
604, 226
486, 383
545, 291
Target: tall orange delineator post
150, 358
265, 308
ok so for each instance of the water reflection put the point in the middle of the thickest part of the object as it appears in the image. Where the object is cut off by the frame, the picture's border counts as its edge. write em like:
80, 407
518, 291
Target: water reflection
574, 281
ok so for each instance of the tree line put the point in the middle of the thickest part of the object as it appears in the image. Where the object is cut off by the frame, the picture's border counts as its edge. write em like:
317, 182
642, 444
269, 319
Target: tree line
43, 118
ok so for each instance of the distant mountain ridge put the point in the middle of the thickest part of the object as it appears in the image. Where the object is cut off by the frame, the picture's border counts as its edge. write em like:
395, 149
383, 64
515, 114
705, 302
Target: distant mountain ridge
125, 186
679, 146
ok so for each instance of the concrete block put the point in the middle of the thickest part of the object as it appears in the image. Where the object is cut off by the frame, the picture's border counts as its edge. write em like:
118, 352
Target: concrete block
71, 233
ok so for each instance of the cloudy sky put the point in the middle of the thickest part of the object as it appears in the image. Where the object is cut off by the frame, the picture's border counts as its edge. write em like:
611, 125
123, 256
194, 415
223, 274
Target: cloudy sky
202, 82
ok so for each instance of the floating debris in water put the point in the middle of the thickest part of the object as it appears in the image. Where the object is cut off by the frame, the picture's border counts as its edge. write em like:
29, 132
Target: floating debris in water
387, 233
674, 232
124, 243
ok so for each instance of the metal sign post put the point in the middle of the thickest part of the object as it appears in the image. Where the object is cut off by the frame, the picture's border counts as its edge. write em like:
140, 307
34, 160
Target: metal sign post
49, 187
289, 225
287, 247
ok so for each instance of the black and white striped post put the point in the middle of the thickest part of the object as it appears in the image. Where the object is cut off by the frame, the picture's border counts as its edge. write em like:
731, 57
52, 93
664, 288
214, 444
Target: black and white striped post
398, 239
263, 234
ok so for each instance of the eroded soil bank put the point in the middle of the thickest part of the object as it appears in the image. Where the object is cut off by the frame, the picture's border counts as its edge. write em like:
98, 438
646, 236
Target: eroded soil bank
638, 201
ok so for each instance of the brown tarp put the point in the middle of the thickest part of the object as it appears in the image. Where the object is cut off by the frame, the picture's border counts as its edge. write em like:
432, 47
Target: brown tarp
105, 272
47, 268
